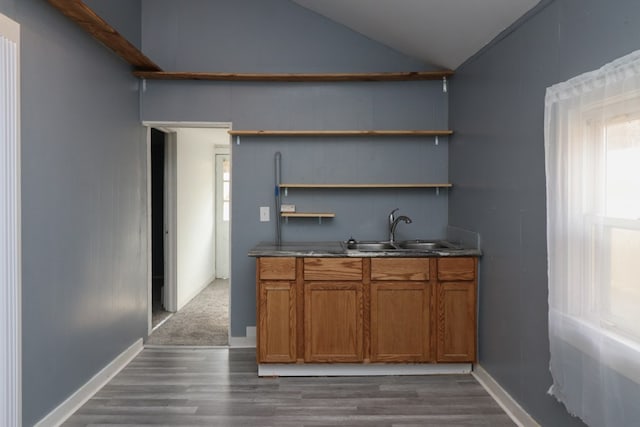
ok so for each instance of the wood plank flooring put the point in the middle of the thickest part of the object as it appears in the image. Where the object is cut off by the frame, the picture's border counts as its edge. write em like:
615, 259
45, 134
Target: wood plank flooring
220, 387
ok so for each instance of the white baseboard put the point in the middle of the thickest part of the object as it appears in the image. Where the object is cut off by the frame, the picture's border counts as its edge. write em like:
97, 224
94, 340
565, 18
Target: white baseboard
186, 348
84, 393
242, 342
504, 399
354, 369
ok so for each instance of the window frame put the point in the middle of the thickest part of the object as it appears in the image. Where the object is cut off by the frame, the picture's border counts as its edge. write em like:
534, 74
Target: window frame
598, 225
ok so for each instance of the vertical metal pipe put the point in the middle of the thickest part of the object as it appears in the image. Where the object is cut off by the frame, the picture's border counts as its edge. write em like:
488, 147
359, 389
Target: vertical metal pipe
278, 180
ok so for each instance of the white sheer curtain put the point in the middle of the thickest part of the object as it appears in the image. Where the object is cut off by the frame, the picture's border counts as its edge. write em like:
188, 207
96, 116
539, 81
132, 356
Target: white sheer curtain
592, 147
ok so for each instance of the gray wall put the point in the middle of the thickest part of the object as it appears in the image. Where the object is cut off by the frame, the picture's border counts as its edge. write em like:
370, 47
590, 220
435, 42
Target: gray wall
123, 15
257, 36
281, 36
497, 167
84, 285
359, 213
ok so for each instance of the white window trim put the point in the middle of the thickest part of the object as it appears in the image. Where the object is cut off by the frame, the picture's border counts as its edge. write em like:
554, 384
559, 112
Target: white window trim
10, 231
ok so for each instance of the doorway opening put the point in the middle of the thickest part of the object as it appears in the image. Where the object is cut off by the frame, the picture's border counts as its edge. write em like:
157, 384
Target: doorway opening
158, 145
190, 215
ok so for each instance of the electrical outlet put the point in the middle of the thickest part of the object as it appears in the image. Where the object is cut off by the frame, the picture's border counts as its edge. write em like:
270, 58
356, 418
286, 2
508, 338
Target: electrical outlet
264, 213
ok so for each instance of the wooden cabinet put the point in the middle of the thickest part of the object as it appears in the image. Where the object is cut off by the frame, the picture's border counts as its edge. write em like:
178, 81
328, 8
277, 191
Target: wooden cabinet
277, 314
413, 269
400, 322
333, 314
456, 307
333, 310
332, 269
400, 310
277, 322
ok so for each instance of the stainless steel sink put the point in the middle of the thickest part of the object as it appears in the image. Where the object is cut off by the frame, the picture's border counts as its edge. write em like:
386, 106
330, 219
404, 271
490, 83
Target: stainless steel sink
403, 246
424, 245
370, 246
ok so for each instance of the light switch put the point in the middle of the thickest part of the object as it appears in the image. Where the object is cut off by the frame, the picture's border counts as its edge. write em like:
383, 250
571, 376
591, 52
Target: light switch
264, 213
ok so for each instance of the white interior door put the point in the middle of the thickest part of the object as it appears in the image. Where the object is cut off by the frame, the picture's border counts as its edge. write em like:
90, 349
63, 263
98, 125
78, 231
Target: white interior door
223, 214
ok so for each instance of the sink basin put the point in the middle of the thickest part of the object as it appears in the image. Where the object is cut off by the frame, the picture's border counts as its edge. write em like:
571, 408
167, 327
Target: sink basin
424, 245
371, 246
406, 245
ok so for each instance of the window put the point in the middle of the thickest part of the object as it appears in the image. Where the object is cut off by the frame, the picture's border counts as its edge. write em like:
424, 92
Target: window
592, 155
621, 225
611, 152
226, 190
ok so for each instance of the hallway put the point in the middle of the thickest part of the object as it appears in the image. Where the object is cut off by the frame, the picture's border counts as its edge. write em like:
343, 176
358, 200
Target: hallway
204, 321
220, 387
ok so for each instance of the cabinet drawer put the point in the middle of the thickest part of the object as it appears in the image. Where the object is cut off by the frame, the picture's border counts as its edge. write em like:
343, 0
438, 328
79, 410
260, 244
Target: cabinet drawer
400, 269
333, 269
456, 268
276, 268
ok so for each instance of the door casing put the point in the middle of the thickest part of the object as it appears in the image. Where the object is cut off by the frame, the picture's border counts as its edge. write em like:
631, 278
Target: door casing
170, 241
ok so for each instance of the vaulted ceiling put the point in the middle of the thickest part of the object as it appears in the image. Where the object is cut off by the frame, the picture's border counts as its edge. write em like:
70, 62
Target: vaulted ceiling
443, 33
440, 32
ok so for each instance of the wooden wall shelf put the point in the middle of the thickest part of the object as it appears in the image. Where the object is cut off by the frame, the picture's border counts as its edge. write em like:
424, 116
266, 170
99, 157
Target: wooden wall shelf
307, 214
145, 68
340, 132
425, 185
294, 77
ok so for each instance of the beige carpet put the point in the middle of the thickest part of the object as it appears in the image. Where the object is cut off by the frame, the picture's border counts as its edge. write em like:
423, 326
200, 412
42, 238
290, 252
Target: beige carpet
204, 321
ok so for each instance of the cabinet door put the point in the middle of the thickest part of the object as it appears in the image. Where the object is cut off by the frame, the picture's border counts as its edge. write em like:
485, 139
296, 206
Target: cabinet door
333, 314
400, 319
456, 305
277, 322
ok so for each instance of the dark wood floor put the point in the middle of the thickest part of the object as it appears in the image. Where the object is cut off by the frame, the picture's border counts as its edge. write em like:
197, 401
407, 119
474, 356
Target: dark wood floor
219, 387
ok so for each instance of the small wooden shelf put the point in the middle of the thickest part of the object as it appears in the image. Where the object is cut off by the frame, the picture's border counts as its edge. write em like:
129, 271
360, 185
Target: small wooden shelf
307, 214
294, 77
298, 185
340, 132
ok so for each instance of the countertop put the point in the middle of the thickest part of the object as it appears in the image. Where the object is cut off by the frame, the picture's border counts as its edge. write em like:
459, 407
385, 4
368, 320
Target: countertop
337, 249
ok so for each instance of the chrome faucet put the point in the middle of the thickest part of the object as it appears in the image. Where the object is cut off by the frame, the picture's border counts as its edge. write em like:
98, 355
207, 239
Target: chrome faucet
393, 223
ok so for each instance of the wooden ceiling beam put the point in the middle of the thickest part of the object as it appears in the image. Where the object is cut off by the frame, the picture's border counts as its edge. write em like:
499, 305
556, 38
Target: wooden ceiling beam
294, 77
86, 18
145, 68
